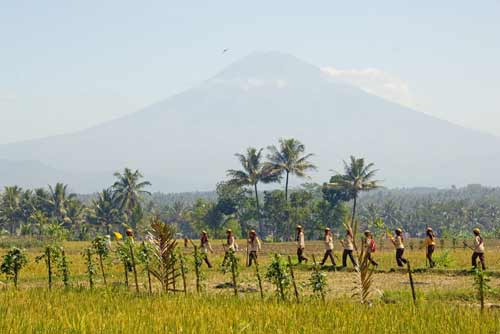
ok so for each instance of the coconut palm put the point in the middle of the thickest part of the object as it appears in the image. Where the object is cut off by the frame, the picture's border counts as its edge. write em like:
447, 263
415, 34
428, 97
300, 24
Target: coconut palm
10, 208
57, 201
289, 160
357, 178
106, 212
129, 190
253, 171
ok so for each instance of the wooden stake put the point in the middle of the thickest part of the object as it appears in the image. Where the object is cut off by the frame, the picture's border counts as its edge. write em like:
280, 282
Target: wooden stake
259, 279
296, 291
183, 273
132, 257
196, 269
413, 294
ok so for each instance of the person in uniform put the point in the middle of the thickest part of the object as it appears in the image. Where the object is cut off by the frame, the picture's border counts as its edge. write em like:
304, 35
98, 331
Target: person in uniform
348, 245
369, 245
229, 246
253, 246
205, 247
328, 242
430, 246
300, 239
400, 247
478, 249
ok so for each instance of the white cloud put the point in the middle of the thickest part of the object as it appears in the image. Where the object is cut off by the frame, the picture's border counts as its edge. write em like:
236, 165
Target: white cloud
376, 82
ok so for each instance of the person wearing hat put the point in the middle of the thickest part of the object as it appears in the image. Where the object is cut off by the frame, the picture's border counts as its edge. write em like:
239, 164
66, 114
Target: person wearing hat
478, 249
328, 240
369, 244
230, 241
400, 247
253, 246
229, 246
205, 247
430, 246
130, 235
348, 245
301, 245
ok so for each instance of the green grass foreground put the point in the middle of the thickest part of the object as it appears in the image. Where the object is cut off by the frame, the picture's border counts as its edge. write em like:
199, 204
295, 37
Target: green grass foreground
108, 311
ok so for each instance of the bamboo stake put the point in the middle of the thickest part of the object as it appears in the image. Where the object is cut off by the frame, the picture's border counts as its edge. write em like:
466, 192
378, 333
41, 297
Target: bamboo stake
132, 257
183, 273
413, 294
102, 269
233, 273
296, 291
196, 268
49, 267
259, 279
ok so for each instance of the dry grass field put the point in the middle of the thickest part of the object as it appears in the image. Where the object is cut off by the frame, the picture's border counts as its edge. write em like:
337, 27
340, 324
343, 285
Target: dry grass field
447, 299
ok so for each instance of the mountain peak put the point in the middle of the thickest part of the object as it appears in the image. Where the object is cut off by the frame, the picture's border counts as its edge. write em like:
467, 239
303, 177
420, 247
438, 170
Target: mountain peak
270, 65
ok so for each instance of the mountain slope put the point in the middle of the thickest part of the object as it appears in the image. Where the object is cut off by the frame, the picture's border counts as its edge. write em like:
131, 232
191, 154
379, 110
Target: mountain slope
187, 141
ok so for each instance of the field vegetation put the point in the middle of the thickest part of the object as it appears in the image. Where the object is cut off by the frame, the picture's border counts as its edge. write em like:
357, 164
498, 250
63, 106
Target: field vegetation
71, 264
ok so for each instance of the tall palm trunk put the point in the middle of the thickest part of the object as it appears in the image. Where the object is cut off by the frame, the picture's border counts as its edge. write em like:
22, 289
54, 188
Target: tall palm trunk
354, 226
286, 186
353, 217
261, 227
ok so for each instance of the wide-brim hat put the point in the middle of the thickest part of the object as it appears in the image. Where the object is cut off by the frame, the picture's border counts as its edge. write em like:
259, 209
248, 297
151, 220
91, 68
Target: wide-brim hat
399, 230
429, 229
253, 232
229, 230
299, 227
476, 230
327, 229
203, 232
367, 232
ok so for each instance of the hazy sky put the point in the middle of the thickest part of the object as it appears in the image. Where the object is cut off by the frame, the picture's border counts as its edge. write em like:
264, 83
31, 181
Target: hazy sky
66, 65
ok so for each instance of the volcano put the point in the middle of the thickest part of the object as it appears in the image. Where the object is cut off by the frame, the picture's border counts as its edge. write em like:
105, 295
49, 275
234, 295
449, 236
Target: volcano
188, 141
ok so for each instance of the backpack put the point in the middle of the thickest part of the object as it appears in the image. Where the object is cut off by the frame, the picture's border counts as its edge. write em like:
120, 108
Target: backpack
373, 246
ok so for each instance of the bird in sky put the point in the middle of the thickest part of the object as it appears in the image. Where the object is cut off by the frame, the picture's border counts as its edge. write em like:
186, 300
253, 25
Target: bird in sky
225, 50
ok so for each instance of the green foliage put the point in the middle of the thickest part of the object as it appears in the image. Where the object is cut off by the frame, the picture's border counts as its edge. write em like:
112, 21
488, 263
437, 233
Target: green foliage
89, 264
100, 245
363, 283
278, 274
128, 193
230, 262
444, 260
13, 262
199, 257
51, 256
318, 282
481, 283
63, 267
289, 159
162, 241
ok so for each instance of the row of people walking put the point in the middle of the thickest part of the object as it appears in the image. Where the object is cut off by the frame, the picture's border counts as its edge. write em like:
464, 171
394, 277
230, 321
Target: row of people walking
348, 245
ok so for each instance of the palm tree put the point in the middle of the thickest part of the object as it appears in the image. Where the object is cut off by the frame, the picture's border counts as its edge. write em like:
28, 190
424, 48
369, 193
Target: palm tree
58, 201
106, 212
288, 159
128, 190
10, 208
252, 172
357, 178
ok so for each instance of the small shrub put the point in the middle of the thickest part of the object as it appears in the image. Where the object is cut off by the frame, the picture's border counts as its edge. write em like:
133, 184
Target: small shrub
444, 260
278, 274
13, 262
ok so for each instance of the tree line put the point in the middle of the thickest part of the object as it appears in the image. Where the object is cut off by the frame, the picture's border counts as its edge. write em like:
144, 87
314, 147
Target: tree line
353, 196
